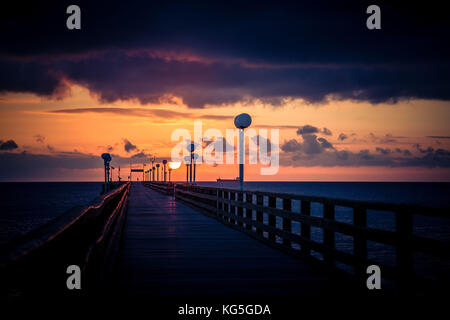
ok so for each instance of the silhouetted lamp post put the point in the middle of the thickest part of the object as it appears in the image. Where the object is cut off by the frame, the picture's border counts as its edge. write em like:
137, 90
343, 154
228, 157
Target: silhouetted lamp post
157, 172
106, 160
188, 160
153, 168
191, 148
195, 157
241, 122
165, 169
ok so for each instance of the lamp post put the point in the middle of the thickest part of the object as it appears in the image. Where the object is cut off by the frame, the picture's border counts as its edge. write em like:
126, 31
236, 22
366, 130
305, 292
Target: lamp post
195, 157
187, 159
241, 122
191, 148
153, 167
106, 160
165, 171
157, 172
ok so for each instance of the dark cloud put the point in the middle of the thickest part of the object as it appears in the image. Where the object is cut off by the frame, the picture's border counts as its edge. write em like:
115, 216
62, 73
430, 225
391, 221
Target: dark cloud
218, 53
439, 137
311, 145
383, 150
325, 144
331, 158
128, 146
8, 145
326, 131
422, 150
39, 138
405, 152
291, 146
141, 155
307, 129
342, 137
387, 138
315, 151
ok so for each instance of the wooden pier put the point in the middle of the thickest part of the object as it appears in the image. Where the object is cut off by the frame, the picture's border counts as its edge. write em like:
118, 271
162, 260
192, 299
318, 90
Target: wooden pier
163, 239
170, 248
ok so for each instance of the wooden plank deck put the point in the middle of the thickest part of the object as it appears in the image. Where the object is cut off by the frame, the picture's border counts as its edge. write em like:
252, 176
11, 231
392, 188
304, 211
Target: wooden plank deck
172, 249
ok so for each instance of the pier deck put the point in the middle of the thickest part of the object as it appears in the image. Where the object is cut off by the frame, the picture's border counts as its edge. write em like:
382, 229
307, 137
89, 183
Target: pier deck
170, 248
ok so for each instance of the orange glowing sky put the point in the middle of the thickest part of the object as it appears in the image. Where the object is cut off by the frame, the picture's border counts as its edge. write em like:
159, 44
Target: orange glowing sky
31, 122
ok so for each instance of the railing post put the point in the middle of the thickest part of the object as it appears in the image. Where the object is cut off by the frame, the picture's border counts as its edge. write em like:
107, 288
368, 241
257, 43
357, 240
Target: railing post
226, 205
259, 214
240, 210
404, 228
305, 229
221, 204
328, 235
217, 202
272, 218
232, 208
360, 242
287, 224
248, 212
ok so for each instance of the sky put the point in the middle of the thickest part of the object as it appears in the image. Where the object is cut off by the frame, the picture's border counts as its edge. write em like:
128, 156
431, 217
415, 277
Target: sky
351, 104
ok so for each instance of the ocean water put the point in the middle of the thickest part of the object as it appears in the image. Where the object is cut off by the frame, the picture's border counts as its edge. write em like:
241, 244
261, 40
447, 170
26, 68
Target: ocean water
26, 206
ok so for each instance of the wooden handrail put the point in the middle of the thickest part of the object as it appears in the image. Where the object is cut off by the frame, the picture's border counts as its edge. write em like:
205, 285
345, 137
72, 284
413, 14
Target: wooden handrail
84, 236
229, 205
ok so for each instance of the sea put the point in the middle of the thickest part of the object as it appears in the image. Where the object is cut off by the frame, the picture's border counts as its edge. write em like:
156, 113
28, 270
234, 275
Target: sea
26, 206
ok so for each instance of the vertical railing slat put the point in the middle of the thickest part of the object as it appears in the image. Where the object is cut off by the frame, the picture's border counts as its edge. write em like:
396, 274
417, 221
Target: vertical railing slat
240, 210
360, 242
305, 229
259, 213
271, 218
328, 235
249, 212
287, 224
404, 256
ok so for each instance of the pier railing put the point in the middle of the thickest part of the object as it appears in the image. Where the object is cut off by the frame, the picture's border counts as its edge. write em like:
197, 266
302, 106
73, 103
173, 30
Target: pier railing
164, 187
84, 236
269, 217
